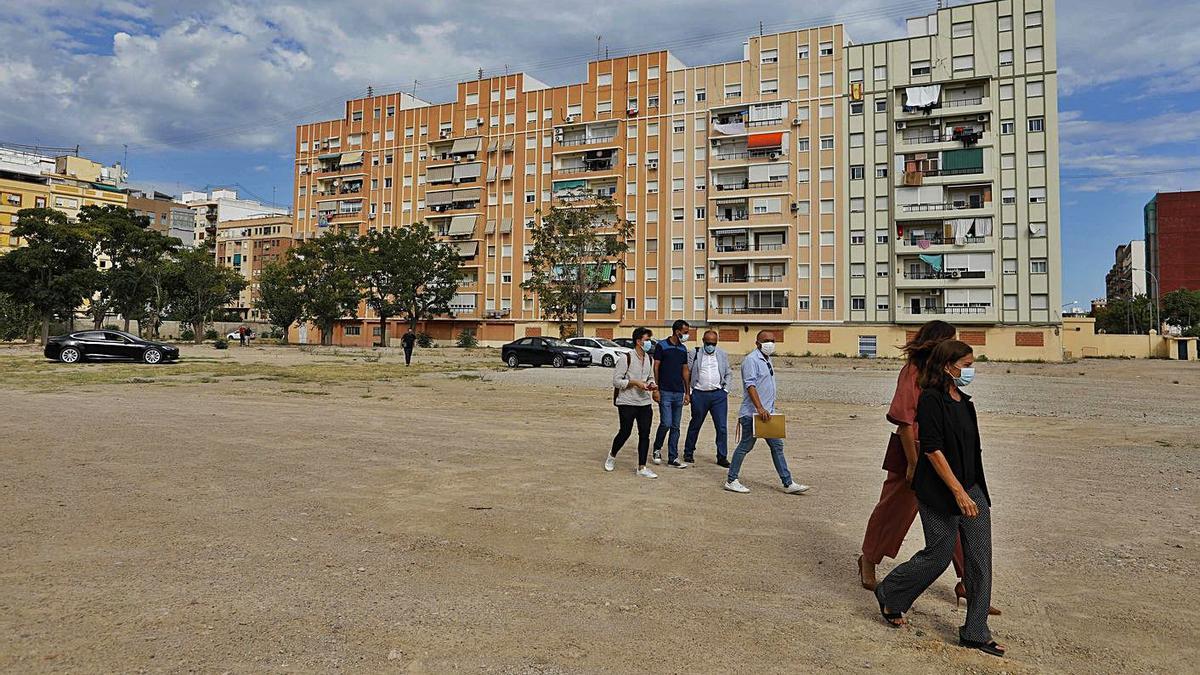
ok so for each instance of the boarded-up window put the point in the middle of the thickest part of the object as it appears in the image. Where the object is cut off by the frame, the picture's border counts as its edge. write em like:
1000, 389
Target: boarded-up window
818, 337
532, 332
606, 333
727, 335
974, 337
1031, 339
910, 335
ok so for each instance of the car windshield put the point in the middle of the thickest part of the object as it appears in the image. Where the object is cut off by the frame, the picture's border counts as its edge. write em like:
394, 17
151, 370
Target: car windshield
555, 342
607, 343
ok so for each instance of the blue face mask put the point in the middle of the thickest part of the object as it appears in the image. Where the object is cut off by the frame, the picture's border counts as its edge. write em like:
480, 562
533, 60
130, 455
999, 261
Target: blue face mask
710, 349
966, 375
647, 345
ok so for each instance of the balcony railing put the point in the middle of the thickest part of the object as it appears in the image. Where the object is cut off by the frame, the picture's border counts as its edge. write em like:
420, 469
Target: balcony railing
586, 140
943, 206
744, 278
750, 310
737, 248
747, 154
749, 185
962, 171
963, 102
584, 169
764, 123
952, 309
945, 274
464, 309
740, 215
937, 240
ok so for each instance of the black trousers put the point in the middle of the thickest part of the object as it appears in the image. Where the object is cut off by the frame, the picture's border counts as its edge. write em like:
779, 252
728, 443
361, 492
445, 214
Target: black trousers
407, 354
644, 415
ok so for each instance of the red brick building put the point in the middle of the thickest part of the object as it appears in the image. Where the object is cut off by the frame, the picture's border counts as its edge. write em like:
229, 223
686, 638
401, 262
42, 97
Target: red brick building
1173, 241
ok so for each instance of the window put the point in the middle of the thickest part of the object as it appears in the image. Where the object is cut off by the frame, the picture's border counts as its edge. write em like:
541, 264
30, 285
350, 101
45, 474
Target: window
652, 129
881, 203
604, 79
1037, 159
880, 72
881, 104
1037, 229
856, 303
701, 244
652, 187
960, 29
802, 304
652, 216
1007, 127
826, 207
1006, 92
856, 75
698, 154
472, 99
856, 172
881, 237
826, 239
701, 95
827, 142
677, 126
825, 110
700, 212
700, 185
826, 174
1033, 54
677, 215
651, 274
651, 101
804, 271
574, 110
858, 204
881, 138
881, 170
1039, 301
768, 87
733, 90
677, 185
356, 116
1008, 231
602, 107
964, 62
802, 52
1008, 196
530, 197
1037, 265
391, 111
1006, 57
802, 175
510, 119
495, 120
1009, 265
630, 303
1033, 19
1005, 22
826, 303
802, 82
652, 73
825, 80
802, 113
858, 237
506, 278
882, 303
633, 75
1037, 124
769, 56
1010, 302
803, 208
1034, 88
827, 270
825, 49
856, 107
631, 132
921, 68
802, 144
651, 304
677, 275
882, 270
678, 97
857, 139
1008, 161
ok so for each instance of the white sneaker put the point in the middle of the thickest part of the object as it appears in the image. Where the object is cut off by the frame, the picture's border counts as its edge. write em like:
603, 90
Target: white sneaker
796, 489
610, 463
736, 486
646, 473
657, 457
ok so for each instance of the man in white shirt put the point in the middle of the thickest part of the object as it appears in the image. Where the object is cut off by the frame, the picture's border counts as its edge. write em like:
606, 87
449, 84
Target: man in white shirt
709, 366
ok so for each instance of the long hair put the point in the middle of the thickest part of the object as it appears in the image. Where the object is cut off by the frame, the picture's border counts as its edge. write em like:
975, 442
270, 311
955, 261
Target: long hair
928, 336
945, 354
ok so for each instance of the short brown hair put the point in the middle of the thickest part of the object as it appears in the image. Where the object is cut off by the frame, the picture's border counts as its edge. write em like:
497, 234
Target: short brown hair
934, 375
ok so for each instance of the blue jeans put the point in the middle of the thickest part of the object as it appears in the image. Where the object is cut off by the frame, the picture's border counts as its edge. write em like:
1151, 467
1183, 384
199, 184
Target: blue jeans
748, 439
670, 414
704, 403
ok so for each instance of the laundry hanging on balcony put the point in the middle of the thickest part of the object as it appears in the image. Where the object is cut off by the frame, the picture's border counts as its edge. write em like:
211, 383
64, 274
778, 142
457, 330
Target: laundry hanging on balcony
761, 141
922, 97
962, 226
732, 128
934, 261
983, 227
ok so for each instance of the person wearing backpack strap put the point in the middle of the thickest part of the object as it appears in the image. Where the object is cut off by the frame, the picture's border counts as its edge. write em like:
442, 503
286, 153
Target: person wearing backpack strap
633, 382
710, 375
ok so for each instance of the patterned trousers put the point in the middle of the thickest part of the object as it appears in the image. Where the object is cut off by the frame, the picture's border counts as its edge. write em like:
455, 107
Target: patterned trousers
900, 589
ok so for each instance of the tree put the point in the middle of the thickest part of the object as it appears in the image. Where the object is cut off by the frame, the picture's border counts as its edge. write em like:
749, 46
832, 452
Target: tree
17, 320
199, 287
405, 270
279, 294
1181, 307
1130, 316
575, 254
325, 270
55, 271
135, 252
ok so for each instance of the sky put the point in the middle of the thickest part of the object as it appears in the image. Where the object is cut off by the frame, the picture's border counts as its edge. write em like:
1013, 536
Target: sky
208, 94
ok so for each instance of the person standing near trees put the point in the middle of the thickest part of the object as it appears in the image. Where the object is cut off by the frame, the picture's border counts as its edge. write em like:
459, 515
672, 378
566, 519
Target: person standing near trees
408, 340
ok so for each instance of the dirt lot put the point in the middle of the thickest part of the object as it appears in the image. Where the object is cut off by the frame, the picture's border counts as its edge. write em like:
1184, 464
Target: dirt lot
267, 509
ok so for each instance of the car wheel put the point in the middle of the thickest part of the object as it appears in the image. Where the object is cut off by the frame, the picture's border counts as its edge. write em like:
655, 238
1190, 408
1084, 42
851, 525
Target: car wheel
70, 355
513, 361
558, 361
152, 356
607, 361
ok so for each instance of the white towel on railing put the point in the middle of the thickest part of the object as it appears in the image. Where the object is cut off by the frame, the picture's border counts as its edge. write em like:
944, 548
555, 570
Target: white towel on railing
732, 128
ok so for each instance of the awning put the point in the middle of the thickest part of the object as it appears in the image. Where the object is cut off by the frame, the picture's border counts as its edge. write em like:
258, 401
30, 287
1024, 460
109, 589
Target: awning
351, 158
568, 184
440, 174
461, 225
729, 233
465, 145
490, 227
465, 172
492, 145
491, 174
440, 198
733, 202
509, 145
506, 225
467, 249
771, 140
467, 195
107, 188
507, 172
934, 261
330, 155
919, 97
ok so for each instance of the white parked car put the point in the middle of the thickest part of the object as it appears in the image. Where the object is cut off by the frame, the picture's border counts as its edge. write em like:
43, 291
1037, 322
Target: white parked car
233, 336
604, 352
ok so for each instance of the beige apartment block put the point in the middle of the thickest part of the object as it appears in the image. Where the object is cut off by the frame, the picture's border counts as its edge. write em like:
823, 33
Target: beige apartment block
246, 245
953, 209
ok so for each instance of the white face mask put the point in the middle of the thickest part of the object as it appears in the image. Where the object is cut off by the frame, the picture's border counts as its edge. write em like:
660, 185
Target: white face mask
683, 337
767, 348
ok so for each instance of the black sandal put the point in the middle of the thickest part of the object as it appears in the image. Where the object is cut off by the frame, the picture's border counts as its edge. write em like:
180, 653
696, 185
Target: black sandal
985, 647
893, 619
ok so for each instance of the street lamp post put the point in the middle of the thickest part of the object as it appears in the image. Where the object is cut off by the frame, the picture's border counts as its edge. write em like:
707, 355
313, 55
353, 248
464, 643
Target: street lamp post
1157, 308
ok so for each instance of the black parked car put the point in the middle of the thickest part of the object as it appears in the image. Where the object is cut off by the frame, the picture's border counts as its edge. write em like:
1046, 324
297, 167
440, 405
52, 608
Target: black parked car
107, 345
537, 351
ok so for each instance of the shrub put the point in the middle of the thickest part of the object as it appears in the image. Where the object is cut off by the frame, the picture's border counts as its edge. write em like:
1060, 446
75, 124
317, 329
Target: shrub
211, 334
221, 343
187, 335
982, 358
467, 339
111, 326
839, 355
424, 341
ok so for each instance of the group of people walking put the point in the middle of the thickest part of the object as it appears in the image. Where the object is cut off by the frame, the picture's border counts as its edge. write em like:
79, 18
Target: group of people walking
933, 460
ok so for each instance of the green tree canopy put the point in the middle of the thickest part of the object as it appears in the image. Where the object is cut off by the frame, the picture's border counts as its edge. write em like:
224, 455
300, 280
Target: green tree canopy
279, 294
325, 270
407, 271
199, 287
1181, 307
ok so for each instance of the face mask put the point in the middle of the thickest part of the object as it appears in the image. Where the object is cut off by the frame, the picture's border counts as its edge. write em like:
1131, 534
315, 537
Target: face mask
683, 337
965, 377
709, 349
767, 348
647, 345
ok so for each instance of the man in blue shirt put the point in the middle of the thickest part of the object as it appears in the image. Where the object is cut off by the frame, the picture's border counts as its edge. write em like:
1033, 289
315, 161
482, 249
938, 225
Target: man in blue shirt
671, 374
758, 379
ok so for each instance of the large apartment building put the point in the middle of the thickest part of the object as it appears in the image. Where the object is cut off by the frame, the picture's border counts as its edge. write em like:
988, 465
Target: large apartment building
1127, 277
1172, 225
794, 186
221, 206
246, 245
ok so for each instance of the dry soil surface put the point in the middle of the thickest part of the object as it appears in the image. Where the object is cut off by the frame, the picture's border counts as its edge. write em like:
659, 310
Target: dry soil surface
272, 509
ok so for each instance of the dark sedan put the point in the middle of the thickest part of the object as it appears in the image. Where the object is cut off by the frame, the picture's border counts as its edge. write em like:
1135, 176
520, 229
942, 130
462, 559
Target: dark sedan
537, 351
107, 345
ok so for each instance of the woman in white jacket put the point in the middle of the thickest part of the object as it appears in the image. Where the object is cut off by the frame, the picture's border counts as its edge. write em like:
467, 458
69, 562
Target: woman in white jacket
633, 382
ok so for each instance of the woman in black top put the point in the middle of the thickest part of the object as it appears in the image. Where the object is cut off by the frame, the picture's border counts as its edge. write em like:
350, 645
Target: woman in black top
952, 497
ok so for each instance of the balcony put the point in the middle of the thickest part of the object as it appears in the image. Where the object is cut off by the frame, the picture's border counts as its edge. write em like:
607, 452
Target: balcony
739, 186
589, 162
734, 280
956, 314
944, 279
936, 242
733, 155
733, 250
598, 135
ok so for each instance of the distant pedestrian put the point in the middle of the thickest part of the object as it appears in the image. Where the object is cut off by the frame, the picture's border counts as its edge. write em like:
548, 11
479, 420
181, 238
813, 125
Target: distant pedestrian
242, 335
708, 367
671, 374
633, 383
953, 499
408, 340
758, 380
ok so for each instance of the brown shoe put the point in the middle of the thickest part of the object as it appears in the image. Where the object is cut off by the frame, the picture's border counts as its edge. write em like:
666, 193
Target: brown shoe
960, 593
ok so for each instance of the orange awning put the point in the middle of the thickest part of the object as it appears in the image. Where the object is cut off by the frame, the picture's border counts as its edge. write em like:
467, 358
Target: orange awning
771, 140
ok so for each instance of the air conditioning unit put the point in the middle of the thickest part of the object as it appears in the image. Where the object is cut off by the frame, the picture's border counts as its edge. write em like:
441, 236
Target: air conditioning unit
981, 118
796, 121
775, 155
955, 274
795, 207
372, 216
470, 155
934, 123
712, 264
457, 159
652, 164
901, 126
444, 134
716, 142
960, 204
478, 121
572, 118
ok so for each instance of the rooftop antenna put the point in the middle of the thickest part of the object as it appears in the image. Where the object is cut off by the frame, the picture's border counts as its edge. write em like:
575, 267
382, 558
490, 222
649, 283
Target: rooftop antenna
760, 29
414, 91
370, 91
598, 38
481, 73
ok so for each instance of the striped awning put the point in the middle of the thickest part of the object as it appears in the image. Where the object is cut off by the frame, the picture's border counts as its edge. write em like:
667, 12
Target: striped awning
465, 145
769, 140
462, 225
351, 158
440, 174
467, 195
467, 249
440, 198
490, 227
463, 172
506, 225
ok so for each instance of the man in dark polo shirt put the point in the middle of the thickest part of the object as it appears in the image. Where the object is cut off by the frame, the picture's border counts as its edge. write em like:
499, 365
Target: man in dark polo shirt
674, 384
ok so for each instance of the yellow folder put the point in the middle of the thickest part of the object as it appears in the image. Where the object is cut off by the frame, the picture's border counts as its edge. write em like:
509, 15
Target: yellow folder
776, 427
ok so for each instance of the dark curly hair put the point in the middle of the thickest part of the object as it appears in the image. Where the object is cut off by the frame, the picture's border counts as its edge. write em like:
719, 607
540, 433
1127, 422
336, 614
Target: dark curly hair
945, 354
928, 336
